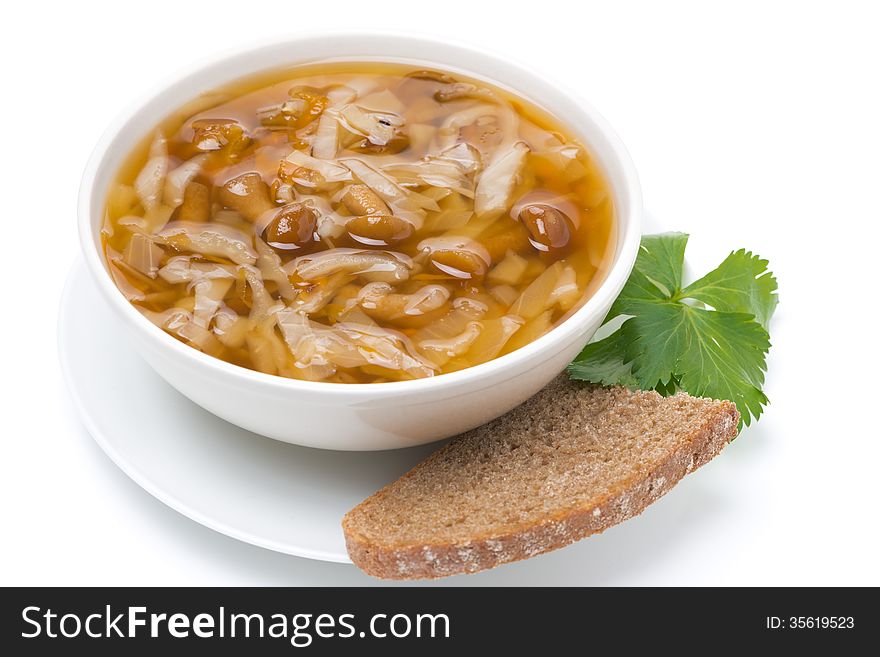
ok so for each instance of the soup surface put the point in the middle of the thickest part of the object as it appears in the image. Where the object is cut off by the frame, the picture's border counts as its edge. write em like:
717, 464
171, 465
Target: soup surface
358, 223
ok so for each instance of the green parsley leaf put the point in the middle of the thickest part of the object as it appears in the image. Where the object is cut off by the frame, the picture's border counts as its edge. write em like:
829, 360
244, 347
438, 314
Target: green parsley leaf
662, 260
606, 364
725, 359
666, 344
657, 273
740, 283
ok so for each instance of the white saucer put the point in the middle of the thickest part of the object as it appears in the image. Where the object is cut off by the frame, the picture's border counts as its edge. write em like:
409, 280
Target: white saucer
275, 495
271, 494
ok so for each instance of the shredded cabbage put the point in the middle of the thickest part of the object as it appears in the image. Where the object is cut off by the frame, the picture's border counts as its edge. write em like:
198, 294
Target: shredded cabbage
315, 298
271, 269
331, 171
379, 128
348, 344
405, 204
177, 180
495, 185
379, 300
150, 181
326, 140
209, 295
441, 350
182, 269
450, 169
209, 240
143, 255
384, 266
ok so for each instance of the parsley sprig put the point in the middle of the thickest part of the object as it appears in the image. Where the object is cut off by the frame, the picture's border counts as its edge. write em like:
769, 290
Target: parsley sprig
709, 338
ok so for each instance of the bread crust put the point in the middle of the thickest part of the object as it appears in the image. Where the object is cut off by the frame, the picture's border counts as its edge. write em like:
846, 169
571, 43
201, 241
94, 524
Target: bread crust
483, 552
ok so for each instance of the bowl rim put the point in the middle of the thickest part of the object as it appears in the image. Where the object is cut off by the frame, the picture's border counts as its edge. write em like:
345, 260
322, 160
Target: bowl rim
628, 236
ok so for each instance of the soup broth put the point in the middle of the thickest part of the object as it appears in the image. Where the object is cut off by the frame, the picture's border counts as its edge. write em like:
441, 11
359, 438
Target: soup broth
358, 223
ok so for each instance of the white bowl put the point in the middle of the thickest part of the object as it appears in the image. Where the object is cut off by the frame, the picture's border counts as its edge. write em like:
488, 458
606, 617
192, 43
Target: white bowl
362, 416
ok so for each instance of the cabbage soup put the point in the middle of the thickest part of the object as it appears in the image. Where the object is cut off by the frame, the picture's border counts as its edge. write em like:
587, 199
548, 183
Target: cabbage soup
358, 223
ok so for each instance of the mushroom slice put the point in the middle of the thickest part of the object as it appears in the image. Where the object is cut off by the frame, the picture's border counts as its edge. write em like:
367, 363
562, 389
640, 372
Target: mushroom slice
304, 105
496, 183
378, 229
291, 227
565, 203
306, 181
248, 195
361, 200
209, 240
459, 257
549, 227
196, 204
225, 135
404, 203
384, 266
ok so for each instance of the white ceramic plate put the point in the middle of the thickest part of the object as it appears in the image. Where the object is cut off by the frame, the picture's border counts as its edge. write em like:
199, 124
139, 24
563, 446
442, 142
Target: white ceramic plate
276, 495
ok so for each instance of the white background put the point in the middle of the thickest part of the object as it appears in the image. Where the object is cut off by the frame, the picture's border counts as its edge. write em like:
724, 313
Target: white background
754, 124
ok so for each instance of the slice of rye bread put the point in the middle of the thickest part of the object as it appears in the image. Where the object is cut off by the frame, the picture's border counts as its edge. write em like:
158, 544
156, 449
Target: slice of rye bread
571, 461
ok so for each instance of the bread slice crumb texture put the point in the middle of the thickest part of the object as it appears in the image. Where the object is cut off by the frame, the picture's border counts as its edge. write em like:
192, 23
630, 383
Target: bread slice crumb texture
569, 462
